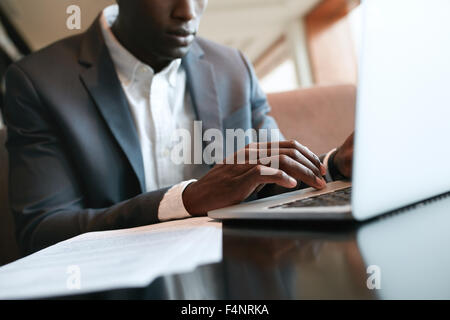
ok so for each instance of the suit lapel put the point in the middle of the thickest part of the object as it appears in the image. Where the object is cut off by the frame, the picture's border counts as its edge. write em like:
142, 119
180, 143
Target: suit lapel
202, 87
100, 79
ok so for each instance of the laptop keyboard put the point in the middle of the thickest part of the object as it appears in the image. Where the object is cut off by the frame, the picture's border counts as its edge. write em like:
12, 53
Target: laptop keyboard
337, 198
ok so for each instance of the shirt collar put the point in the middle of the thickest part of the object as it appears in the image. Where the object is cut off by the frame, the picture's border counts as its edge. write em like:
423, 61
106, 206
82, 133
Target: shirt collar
127, 65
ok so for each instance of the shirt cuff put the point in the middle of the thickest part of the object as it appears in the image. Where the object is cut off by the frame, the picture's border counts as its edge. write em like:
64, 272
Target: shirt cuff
328, 176
171, 206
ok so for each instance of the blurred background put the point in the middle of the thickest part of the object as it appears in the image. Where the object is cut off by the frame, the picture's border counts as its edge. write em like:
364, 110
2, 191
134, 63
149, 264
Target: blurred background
292, 43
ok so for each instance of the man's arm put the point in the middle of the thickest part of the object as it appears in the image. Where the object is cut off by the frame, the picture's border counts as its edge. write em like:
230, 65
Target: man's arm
46, 197
259, 104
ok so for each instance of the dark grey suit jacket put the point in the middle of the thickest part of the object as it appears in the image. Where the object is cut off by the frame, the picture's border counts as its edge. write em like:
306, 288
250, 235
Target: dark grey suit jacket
75, 159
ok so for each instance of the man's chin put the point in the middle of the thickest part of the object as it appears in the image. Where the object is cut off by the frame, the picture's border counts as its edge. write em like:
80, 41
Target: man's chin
179, 52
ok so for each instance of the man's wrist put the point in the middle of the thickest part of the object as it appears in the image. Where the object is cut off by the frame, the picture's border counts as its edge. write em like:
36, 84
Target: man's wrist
190, 201
332, 167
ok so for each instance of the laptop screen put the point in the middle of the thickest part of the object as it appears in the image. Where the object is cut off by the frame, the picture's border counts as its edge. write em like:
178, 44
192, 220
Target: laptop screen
403, 107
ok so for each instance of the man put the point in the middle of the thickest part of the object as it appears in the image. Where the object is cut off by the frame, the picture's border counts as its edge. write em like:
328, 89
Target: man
90, 118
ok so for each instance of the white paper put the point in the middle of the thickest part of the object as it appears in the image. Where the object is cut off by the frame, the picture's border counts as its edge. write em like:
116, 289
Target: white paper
107, 260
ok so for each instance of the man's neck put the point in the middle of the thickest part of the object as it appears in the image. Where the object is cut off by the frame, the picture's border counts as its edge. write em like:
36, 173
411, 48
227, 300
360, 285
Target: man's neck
157, 64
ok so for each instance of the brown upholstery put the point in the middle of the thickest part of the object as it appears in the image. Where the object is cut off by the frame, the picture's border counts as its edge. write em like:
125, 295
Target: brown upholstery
320, 118
8, 246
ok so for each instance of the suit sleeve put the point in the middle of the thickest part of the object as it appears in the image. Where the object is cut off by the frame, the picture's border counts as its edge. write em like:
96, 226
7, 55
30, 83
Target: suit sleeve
46, 198
260, 106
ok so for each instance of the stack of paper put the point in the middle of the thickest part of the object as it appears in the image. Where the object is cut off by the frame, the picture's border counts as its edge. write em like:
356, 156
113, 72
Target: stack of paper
108, 260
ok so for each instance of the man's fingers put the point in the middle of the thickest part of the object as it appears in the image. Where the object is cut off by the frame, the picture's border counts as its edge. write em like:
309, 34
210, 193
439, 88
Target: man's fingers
291, 144
252, 154
294, 169
306, 152
300, 172
260, 174
283, 164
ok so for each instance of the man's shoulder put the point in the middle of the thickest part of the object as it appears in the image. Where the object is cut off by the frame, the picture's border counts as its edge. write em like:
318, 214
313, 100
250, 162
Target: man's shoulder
220, 54
56, 56
214, 47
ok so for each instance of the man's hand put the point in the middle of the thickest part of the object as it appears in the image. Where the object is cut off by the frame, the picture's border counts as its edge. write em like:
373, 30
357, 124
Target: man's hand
343, 160
229, 184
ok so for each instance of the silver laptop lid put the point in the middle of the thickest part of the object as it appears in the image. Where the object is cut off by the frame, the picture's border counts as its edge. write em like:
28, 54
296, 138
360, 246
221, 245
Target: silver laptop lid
403, 107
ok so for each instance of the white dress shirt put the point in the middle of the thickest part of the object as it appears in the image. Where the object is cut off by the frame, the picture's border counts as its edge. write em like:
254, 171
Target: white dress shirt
160, 104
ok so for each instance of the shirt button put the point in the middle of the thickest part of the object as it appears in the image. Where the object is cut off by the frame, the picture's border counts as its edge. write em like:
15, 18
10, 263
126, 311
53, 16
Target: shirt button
166, 152
143, 69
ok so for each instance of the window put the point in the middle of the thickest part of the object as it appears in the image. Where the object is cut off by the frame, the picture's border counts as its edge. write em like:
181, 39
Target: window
330, 29
282, 78
355, 18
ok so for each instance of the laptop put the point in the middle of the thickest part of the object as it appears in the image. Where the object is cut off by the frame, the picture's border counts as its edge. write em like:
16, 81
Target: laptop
402, 128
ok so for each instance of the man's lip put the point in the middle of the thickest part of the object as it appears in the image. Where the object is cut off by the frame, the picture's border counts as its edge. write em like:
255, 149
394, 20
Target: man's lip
181, 33
181, 38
